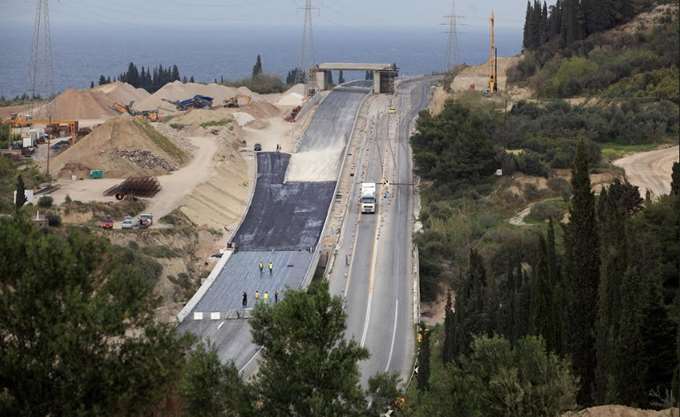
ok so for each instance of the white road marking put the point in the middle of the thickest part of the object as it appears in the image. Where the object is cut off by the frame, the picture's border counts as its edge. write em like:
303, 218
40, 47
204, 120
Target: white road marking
394, 335
240, 371
220, 325
371, 282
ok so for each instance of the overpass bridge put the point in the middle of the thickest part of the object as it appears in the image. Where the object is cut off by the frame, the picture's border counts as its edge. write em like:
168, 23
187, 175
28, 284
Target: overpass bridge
383, 74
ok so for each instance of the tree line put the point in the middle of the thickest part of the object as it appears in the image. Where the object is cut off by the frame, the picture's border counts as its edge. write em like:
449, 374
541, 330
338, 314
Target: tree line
150, 79
572, 20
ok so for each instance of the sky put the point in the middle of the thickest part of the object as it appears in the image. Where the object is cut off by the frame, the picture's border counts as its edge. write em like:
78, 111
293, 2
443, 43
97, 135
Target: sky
203, 14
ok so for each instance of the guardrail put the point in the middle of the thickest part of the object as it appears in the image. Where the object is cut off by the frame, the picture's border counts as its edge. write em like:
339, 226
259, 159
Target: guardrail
205, 286
317, 251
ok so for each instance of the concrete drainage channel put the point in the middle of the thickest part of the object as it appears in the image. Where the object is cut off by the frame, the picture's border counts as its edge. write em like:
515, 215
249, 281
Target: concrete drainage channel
283, 227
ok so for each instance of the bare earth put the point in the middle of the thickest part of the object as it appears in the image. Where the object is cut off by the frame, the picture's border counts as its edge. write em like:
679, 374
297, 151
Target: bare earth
650, 170
621, 411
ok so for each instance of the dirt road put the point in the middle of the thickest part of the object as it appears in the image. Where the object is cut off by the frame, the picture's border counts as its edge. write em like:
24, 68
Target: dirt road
175, 186
650, 170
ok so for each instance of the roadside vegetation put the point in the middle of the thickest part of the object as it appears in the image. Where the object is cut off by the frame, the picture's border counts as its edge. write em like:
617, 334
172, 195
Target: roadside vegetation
595, 278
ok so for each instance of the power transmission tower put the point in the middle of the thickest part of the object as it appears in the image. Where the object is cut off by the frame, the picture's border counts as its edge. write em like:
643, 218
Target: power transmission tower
307, 49
41, 70
452, 46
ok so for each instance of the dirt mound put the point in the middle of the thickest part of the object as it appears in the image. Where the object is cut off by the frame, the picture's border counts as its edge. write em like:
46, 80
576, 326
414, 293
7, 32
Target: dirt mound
178, 91
644, 22
476, 78
619, 411
122, 93
122, 147
261, 110
80, 104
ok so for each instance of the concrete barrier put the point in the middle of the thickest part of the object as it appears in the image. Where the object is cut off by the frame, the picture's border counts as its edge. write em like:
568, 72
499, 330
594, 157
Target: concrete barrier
315, 258
204, 287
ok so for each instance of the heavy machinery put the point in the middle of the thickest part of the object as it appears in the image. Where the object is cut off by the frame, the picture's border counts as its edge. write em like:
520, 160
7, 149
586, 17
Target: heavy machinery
150, 115
196, 102
493, 57
53, 128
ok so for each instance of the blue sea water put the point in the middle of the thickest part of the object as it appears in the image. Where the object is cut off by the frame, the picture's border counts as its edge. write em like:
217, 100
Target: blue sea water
81, 55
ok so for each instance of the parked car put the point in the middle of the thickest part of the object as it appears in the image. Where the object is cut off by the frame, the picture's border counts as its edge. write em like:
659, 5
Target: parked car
106, 224
127, 223
392, 109
258, 147
145, 220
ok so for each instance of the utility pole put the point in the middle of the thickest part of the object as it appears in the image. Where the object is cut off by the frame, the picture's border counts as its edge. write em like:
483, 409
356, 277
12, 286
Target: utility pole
493, 56
307, 49
452, 46
41, 70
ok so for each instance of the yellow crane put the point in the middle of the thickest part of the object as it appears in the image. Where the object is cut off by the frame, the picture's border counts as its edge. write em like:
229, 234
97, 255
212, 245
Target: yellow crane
493, 57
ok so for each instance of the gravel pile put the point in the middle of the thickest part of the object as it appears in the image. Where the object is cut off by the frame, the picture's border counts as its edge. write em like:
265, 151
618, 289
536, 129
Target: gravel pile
145, 159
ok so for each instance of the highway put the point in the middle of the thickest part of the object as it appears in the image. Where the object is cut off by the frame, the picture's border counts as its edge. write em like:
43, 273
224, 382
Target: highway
283, 225
373, 268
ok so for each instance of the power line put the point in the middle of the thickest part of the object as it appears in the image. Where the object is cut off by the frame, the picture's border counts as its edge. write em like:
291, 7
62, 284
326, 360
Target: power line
452, 45
307, 49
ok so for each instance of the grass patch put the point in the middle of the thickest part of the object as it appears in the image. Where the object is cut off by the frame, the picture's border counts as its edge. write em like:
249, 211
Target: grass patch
614, 151
216, 123
176, 218
177, 126
102, 211
163, 142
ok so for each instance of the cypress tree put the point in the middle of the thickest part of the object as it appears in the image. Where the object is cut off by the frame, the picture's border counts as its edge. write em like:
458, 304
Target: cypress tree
542, 320
527, 25
545, 29
102, 80
91, 84
20, 199
675, 181
555, 20
257, 68
614, 249
584, 279
448, 347
423, 378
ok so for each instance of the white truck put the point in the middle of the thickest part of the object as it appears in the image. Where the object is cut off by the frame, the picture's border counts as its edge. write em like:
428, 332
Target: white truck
368, 199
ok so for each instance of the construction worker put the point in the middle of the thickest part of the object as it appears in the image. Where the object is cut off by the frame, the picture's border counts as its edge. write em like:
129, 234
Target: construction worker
271, 267
266, 297
261, 265
244, 301
257, 296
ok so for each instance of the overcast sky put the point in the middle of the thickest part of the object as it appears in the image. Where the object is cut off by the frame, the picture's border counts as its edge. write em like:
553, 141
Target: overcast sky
221, 13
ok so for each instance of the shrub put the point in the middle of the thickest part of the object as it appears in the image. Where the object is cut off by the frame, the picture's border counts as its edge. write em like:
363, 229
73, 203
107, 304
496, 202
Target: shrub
45, 201
546, 210
53, 220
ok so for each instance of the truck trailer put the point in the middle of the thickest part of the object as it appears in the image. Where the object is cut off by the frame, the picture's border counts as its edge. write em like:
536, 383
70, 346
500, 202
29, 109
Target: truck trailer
369, 202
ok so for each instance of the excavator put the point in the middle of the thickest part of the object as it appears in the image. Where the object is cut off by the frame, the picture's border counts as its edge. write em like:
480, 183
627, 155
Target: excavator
150, 115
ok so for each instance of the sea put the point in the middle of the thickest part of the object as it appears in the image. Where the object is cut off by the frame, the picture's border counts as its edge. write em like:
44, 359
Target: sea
80, 56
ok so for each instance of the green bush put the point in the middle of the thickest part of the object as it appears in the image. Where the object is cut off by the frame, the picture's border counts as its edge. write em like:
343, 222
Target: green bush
53, 220
546, 210
45, 201
261, 84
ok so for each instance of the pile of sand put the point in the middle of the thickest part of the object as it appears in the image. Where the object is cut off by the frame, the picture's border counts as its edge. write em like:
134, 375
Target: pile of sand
291, 100
178, 91
81, 104
243, 118
108, 148
122, 93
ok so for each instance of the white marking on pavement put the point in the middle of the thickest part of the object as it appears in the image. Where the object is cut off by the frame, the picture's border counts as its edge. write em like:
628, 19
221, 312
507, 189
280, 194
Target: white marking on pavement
371, 282
394, 335
240, 371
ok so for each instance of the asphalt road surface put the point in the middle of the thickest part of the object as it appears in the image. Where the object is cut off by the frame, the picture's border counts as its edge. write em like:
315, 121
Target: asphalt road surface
283, 224
283, 216
373, 269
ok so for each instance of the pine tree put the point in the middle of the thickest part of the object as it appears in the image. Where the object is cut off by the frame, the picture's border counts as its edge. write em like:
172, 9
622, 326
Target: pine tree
584, 279
102, 80
423, 379
91, 84
448, 347
20, 198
